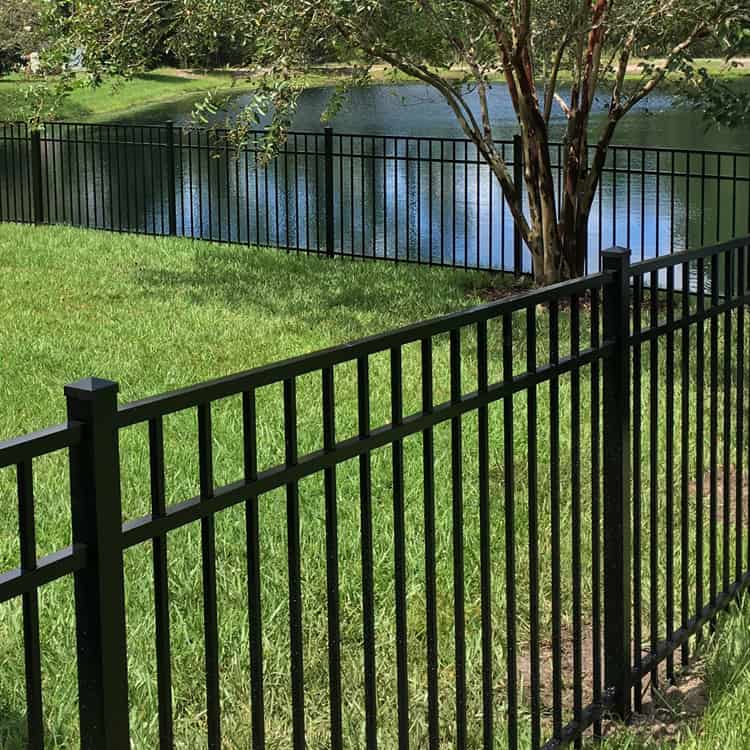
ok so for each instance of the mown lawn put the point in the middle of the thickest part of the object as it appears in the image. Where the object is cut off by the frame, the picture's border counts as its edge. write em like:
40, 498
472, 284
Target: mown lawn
116, 99
159, 314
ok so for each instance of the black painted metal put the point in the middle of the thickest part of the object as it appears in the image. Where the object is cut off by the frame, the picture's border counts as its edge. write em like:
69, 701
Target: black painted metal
171, 186
328, 166
100, 586
422, 200
619, 327
36, 177
518, 181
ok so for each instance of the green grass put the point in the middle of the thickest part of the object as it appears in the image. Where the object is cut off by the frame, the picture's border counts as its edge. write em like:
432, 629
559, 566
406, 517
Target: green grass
159, 314
717, 67
112, 100
723, 680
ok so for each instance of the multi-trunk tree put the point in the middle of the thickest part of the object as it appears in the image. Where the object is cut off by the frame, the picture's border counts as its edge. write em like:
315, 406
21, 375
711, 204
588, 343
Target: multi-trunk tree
553, 56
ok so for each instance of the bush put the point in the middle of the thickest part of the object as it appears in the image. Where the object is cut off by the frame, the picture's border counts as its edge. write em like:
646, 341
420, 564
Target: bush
21, 31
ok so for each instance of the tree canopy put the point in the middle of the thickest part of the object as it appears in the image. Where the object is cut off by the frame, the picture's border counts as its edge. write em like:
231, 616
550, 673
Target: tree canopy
21, 31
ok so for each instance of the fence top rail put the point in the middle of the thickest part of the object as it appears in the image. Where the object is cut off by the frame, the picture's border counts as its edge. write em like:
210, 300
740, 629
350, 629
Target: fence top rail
213, 390
378, 136
685, 256
36, 444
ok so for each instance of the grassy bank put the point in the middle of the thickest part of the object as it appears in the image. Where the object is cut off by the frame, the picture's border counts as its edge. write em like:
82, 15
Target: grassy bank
110, 101
168, 86
158, 314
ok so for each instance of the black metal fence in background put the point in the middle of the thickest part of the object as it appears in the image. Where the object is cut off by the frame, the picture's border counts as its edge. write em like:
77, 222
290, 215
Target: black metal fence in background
619, 572
423, 200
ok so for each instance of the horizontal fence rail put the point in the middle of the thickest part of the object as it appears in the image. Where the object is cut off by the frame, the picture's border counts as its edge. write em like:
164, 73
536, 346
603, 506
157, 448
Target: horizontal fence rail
487, 529
406, 199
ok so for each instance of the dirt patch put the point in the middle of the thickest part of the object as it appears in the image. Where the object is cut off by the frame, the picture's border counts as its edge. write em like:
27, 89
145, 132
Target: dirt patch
494, 294
546, 672
667, 712
732, 493
672, 710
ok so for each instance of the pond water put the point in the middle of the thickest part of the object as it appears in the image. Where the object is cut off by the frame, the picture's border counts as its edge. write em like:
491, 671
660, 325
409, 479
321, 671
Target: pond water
418, 110
426, 196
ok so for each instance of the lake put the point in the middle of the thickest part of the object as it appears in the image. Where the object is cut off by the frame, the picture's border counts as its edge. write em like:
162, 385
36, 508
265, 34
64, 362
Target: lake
417, 110
425, 196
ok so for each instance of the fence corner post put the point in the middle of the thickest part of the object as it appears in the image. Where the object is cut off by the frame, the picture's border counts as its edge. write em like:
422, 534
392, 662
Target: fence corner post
99, 587
36, 176
518, 181
329, 190
616, 485
171, 179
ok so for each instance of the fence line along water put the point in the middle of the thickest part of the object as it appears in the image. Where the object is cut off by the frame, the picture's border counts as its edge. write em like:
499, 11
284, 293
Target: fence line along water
492, 526
423, 200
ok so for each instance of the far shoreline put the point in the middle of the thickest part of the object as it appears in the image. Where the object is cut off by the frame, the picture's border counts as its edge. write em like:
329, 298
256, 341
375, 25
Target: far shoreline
165, 87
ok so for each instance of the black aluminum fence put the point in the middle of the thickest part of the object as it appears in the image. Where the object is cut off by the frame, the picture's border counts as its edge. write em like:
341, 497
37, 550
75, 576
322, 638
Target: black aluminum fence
423, 200
439, 542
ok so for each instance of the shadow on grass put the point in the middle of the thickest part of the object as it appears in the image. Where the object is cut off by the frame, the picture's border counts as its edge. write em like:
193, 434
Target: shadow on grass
172, 80
310, 288
13, 733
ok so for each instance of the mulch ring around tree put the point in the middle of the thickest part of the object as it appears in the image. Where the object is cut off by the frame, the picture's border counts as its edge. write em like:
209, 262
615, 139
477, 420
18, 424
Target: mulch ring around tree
523, 286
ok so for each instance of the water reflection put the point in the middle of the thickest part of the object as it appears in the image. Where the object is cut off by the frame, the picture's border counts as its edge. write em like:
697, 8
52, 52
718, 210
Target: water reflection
412, 199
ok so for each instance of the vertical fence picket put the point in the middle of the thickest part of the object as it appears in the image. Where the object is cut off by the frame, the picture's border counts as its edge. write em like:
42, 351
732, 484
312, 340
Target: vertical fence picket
518, 182
332, 563
554, 487
31, 641
171, 187
457, 492
161, 587
431, 614
531, 414
368, 592
399, 552
485, 542
510, 538
37, 188
252, 536
208, 564
329, 192
294, 568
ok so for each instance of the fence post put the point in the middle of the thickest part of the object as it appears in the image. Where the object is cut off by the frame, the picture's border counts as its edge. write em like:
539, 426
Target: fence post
171, 197
518, 181
329, 190
36, 177
616, 475
99, 587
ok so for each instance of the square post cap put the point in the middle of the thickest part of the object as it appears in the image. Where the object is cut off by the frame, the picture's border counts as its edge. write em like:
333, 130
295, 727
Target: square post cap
615, 252
88, 389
